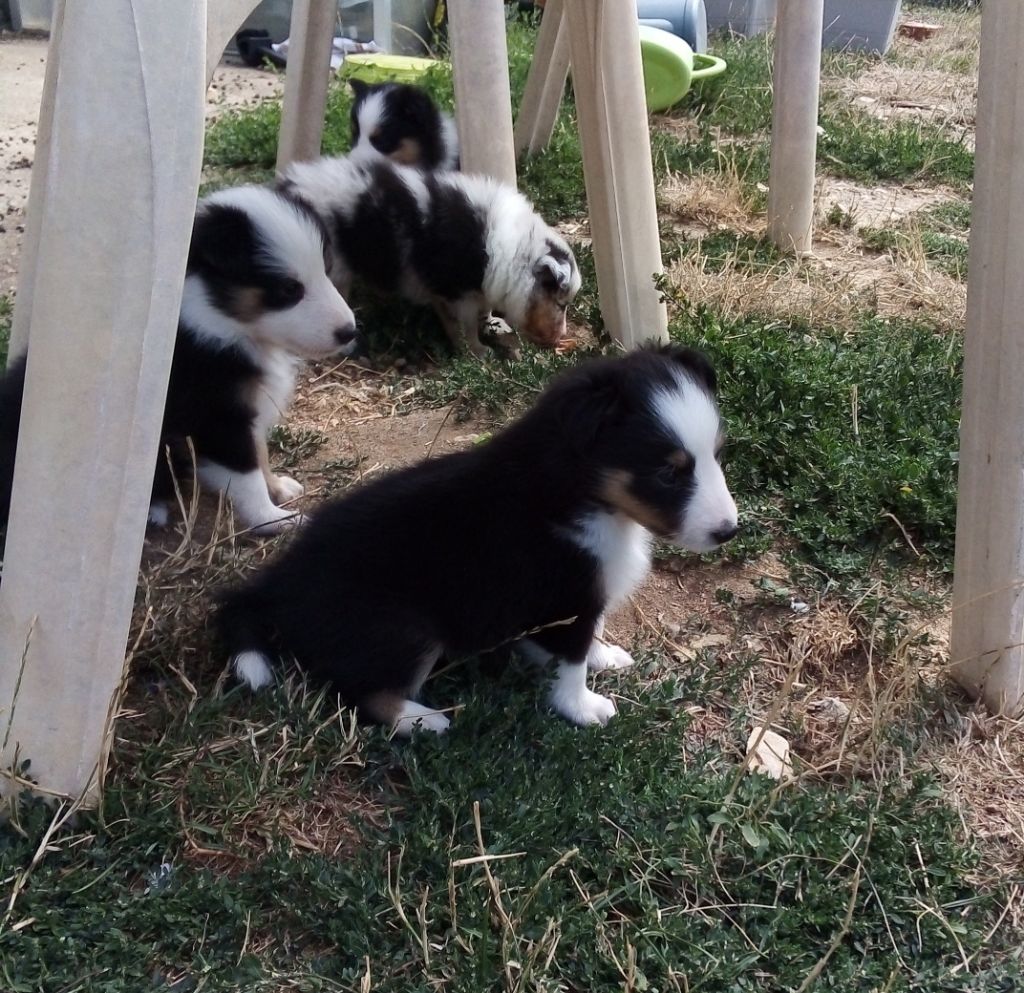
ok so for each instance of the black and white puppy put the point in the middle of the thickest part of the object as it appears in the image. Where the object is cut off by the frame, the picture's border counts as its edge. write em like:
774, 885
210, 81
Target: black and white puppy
256, 301
466, 244
402, 122
411, 567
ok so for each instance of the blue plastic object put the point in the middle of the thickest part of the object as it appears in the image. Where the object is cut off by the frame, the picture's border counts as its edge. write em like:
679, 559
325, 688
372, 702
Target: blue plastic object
686, 19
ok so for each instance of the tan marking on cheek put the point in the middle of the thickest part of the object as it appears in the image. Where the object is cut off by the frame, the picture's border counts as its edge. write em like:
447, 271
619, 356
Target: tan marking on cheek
682, 459
409, 152
615, 489
545, 323
246, 304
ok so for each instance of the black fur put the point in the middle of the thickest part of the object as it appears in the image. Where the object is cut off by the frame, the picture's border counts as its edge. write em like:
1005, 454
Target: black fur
467, 552
210, 398
387, 236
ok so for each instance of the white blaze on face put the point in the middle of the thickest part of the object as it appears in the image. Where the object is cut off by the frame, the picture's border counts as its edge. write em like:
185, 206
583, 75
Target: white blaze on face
293, 244
690, 414
370, 116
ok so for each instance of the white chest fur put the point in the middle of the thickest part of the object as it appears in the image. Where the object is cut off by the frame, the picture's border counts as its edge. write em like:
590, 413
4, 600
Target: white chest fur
621, 547
274, 393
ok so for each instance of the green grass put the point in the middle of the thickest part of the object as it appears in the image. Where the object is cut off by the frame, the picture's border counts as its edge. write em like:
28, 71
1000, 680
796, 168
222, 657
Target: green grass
857, 146
942, 230
834, 438
634, 858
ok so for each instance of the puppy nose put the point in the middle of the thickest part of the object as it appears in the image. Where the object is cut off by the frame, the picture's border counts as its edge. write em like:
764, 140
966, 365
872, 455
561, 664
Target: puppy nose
346, 335
725, 533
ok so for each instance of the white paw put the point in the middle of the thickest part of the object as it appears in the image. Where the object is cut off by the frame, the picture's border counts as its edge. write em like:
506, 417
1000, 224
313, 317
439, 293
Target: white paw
278, 525
159, 514
602, 656
284, 488
253, 669
437, 723
586, 708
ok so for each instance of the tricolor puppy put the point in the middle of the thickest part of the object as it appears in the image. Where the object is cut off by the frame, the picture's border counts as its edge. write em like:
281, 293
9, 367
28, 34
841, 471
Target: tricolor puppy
411, 568
257, 300
402, 122
466, 244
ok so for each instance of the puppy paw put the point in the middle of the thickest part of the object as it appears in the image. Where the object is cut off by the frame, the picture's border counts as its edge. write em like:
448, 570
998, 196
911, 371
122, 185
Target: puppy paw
159, 514
253, 669
284, 488
587, 708
437, 723
602, 656
287, 520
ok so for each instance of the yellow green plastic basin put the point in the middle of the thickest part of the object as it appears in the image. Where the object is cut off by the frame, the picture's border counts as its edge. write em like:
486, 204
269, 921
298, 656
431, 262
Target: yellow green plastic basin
707, 73
668, 67
382, 68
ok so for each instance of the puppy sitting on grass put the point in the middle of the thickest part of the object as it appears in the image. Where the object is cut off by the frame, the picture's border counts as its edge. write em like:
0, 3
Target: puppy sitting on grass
411, 567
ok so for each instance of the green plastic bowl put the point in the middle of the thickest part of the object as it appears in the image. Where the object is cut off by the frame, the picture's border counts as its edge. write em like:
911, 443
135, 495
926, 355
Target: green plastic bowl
381, 68
706, 78
668, 67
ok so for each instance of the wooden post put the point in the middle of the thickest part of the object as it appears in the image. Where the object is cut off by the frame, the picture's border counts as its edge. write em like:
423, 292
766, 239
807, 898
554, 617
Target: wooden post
545, 83
27, 268
795, 82
483, 98
122, 168
608, 81
987, 639
305, 82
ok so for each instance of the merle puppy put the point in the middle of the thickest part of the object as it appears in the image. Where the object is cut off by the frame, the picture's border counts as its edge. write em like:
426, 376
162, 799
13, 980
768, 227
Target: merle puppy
468, 245
411, 567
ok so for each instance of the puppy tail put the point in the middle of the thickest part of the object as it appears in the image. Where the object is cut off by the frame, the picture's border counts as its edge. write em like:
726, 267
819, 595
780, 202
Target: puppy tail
242, 627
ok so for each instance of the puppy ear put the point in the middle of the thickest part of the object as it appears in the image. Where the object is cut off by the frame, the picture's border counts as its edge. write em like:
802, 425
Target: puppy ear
359, 88
586, 401
553, 274
695, 363
221, 235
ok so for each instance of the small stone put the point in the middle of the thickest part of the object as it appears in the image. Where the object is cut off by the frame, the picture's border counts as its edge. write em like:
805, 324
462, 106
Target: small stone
830, 708
768, 753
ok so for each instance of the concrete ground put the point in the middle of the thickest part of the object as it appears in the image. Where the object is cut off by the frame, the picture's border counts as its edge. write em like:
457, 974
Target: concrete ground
22, 66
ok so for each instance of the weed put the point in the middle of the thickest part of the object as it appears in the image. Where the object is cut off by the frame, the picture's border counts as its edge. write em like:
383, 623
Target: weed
857, 146
839, 218
744, 252
294, 445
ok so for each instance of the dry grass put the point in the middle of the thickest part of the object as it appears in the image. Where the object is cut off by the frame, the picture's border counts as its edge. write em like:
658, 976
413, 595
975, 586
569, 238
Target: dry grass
955, 49
705, 202
841, 280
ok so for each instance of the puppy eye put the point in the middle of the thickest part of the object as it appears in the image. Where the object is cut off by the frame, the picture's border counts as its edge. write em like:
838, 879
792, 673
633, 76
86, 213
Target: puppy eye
673, 474
284, 293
